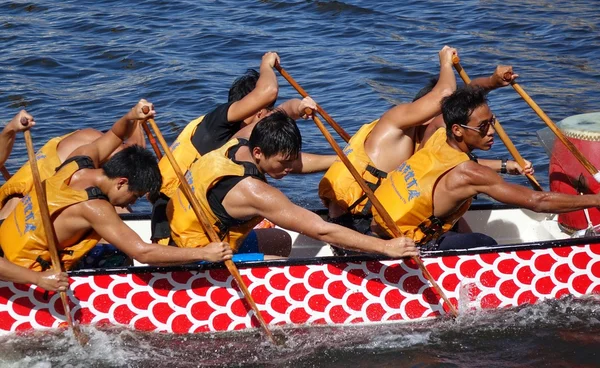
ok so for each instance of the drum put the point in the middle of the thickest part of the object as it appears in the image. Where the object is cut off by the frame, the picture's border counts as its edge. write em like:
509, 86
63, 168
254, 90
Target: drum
567, 175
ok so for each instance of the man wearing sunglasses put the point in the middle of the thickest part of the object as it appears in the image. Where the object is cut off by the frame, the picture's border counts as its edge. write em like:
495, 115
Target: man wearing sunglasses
430, 192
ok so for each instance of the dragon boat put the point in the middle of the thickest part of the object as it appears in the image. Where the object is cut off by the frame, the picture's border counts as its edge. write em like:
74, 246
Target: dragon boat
537, 261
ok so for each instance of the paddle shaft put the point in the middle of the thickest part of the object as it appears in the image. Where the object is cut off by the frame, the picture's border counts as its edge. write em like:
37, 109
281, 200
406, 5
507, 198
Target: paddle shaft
379, 207
570, 146
212, 235
345, 136
500, 130
151, 139
50, 234
5, 173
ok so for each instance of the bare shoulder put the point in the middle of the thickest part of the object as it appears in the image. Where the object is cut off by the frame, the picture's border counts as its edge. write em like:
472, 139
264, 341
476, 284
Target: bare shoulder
96, 210
472, 173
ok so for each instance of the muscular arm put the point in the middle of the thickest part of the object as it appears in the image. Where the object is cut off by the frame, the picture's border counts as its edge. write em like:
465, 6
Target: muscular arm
100, 149
295, 108
481, 179
309, 163
252, 197
102, 217
497, 79
411, 114
262, 95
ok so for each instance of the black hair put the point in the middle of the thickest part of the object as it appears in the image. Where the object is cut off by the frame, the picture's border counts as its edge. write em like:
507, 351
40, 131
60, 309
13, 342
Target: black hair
245, 84
277, 133
140, 168
425, 90
458, 107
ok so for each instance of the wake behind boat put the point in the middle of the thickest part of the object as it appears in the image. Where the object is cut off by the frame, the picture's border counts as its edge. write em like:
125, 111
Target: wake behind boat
537, 262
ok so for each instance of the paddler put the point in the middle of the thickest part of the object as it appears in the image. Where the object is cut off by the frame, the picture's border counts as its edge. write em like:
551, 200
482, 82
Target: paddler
383, 145
82, 196
49, 157
251, 97
49, 280
429, 192
231, 186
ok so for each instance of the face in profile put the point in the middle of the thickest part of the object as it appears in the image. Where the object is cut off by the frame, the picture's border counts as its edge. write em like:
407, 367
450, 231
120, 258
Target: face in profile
479, 131
277, 166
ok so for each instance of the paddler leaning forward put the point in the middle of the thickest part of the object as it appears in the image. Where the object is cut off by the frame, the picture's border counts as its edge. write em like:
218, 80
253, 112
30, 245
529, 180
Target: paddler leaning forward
49, 280
231, 186
81, 200
251, 97
428, 193
49, 157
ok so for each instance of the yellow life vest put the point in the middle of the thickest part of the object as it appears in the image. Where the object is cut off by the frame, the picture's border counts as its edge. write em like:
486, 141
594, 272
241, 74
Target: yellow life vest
338, 184
21, 182
184, 152
407, 193
22, 234
203, 175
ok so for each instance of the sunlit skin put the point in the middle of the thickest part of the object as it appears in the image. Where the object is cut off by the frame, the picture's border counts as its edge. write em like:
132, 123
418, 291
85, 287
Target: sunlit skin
252, 197
471, 178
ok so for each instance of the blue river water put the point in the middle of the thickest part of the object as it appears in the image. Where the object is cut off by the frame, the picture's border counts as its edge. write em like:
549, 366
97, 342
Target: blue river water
75, 64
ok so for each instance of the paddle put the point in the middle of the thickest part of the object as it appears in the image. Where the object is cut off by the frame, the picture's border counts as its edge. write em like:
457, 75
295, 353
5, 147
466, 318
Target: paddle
152, 140
570, 146
501, 133
212, 235
345, 136
5, 173
386, 217
50, 235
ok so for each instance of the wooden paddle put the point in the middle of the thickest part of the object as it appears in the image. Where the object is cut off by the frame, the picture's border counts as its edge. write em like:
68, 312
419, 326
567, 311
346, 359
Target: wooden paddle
187, 191
152, 140
377, 204
5, 173
501, 132
570, 146
51, 235
345, 136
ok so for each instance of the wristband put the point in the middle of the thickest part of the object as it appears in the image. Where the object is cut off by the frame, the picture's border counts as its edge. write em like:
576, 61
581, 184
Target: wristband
503, 166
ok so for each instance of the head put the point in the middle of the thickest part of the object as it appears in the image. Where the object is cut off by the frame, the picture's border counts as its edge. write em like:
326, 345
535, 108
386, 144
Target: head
469, 120
133, 172
275, 144
425, 90
245, 84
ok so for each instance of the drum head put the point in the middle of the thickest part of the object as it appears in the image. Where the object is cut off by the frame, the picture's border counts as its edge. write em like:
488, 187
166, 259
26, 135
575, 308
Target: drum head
583, 126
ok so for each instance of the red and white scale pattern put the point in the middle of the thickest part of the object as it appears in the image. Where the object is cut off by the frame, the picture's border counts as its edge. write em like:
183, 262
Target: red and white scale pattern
335, 293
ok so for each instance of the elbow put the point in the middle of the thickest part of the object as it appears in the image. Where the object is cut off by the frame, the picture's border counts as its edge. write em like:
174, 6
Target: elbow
141, 255
269, 94
540, 203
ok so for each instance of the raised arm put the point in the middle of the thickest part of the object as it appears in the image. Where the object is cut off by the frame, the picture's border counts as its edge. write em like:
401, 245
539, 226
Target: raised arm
100, 149
48, 280
102, 217
252, 197
262, 95
418, 112
19, 123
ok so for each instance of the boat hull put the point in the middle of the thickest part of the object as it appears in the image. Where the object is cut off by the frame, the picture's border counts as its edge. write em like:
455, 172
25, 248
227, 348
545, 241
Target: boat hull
317, 291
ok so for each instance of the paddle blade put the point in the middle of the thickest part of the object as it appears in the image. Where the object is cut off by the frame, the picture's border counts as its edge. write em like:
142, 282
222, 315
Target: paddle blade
547, 140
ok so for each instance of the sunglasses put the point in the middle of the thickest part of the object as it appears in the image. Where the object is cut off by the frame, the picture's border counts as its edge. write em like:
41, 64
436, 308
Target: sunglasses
483, 127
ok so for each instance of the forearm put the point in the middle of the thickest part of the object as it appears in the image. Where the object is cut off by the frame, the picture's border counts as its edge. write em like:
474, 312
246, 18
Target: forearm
12, 272
558, 202
160, 255
309, 163
123, 127
292, 107
349, 239
267, 84
487, 83
446, 83
137, 136
7, 139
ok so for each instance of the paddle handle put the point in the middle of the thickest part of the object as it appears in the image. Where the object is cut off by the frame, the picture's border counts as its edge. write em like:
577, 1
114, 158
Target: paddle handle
342, 133
212, 235
379, 207
500, 130
570, 146
50, 233
152, 140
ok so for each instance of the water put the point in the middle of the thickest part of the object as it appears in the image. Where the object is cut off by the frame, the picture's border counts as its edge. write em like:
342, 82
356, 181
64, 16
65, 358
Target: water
76, 64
